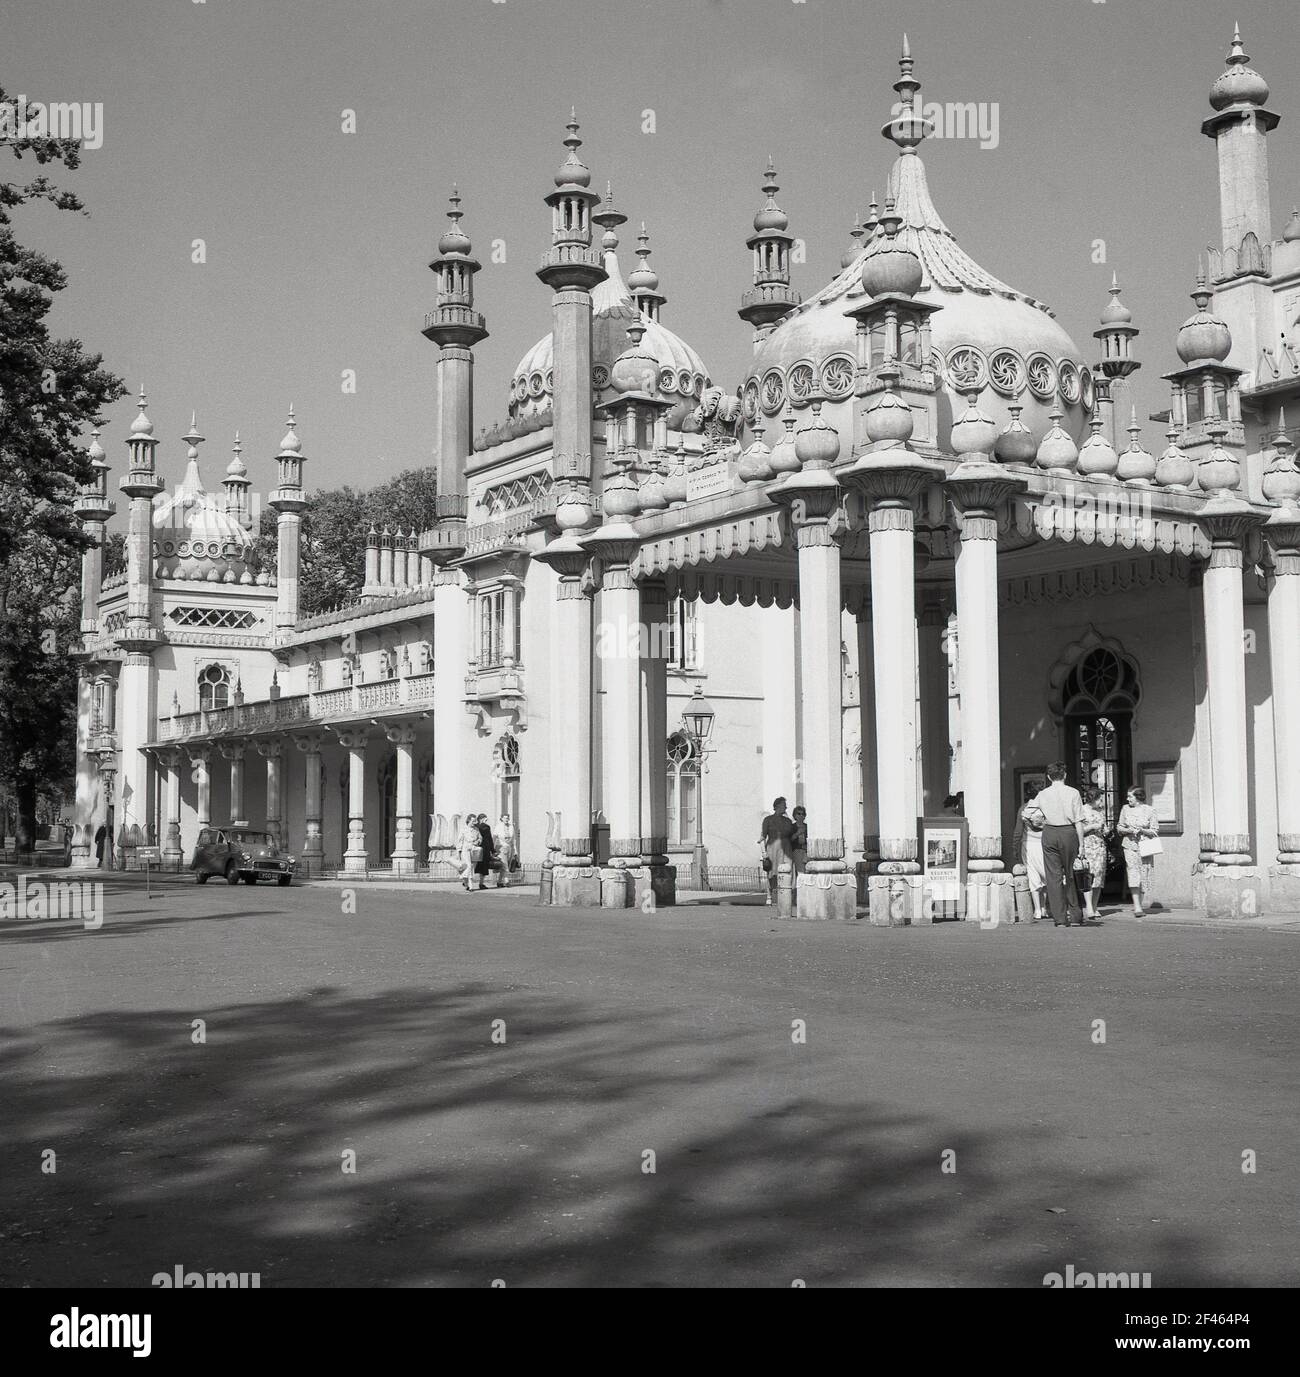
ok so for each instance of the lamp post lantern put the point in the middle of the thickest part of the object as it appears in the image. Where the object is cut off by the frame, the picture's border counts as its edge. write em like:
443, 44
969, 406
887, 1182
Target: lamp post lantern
697, 723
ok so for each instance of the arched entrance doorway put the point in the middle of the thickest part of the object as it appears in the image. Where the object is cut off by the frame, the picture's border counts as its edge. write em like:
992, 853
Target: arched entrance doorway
1098, 691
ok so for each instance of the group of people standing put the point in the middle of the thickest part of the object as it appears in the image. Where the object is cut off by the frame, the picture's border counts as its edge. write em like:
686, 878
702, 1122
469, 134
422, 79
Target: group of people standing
783, 838
1060, 839
480, 854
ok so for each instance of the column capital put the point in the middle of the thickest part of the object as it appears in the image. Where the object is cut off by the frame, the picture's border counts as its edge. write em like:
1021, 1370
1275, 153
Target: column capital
270, 746
892, 477
308, 742
811, 497
978, 490
353, 738
566, 556
201, 750
1229, 521
1282, 531
232, 750
398, 733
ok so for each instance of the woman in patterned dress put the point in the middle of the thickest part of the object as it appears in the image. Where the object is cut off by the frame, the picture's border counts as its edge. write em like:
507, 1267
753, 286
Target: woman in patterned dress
1137, 819
1094, 850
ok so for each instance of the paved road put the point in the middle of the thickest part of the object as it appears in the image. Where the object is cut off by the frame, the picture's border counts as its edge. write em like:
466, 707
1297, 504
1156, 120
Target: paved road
371, 1032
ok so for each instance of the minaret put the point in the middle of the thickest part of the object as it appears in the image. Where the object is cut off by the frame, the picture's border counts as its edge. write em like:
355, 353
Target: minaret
1116, 338
571, 269
94, 508
644, 281
1240, 127
771, 296
140, 636
236, 484
288, 502
455, 327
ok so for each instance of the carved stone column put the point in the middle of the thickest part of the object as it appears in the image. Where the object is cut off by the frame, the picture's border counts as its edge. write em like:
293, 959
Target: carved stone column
932, 670
173, 852
657, 874
200, 773
273, 752
977, 489
574, 878
891, 480
1228, 885
402, 735
233, 751
1283, 532
309, 743
353, 740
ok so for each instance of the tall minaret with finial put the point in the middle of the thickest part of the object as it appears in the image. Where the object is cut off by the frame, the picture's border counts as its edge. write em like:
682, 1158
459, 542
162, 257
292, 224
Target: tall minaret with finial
288, 502
1240, 127
571, 269
140, 636
94, 507
455, 327
644, 281
771, 296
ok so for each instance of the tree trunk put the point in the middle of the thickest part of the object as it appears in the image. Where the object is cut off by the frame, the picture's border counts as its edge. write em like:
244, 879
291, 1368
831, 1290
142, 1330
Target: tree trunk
25, 832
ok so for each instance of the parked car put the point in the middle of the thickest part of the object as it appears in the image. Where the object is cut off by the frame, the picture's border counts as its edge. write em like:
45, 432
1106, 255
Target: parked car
240, 853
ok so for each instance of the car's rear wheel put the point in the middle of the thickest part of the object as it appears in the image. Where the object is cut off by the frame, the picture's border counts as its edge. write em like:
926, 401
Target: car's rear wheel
232, 873
250, 878
200, 877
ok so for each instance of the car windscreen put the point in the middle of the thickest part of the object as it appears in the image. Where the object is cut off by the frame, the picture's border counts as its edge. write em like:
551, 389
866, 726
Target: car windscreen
251, 839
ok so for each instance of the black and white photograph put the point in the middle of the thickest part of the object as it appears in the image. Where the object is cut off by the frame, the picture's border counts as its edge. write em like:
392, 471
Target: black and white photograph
649, 647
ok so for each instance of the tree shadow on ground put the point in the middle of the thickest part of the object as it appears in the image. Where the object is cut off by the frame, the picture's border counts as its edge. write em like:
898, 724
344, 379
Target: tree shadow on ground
523, 1161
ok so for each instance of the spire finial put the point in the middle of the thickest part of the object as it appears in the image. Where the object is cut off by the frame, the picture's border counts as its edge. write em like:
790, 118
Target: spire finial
906, 128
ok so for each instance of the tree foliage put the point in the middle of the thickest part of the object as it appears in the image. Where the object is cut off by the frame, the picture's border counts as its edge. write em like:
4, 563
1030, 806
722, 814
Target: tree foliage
51, 391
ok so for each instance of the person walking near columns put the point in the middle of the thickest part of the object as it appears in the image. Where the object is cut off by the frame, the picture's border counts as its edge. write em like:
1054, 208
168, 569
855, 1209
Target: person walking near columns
1062, 810
776, 840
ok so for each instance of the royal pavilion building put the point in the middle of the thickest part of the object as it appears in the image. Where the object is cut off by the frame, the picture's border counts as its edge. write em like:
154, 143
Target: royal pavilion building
912, 552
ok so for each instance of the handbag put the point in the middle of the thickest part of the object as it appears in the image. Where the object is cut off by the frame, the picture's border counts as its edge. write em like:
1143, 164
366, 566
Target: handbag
475, 855
1150, 846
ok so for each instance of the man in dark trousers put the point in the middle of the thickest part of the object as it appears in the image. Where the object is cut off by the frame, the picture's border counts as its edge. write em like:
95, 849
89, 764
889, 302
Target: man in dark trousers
1062, 807
485, 864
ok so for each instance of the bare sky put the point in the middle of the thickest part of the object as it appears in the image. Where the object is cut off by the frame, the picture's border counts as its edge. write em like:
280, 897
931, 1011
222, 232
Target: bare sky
222, 122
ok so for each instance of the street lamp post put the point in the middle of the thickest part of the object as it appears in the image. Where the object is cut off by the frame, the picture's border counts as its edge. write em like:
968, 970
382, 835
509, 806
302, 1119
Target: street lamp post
697, 723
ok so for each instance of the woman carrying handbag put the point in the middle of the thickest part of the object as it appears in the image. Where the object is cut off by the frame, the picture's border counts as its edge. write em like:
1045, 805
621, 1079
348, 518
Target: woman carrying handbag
1141, 841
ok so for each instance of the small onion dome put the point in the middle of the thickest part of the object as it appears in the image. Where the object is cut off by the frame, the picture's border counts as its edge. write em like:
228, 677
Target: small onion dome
1097, 457
893, 269
636, 368
643, 277
675, 481
619, 498
1174, 469
973, 432
1292, 231
873, 216
1115, 312
1136, 465
817, 444
756, 463
653, 495
1282, 478
291, 445
236, 468
1016, 444
784, 458
1057, 450
855, 245
142, 425
889, 418
573, 171
1220, 471
1239, 84
94, 450
1203, 336
454, 239
771, 217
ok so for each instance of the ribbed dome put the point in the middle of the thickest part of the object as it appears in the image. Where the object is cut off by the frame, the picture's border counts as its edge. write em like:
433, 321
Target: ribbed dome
1203, 336
989, 336
195, 538
682, 375
1239, 84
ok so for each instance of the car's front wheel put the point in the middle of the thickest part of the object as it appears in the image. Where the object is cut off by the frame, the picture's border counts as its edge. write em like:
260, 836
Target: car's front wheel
232, 873
200, 877
250, 878
286, 879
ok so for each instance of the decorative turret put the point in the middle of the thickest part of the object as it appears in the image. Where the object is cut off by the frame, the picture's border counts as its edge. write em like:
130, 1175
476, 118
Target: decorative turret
1240, 127
572, 262
455, 327
1136, 465
288, 502
850, 254
974, 433
370, 589
907, 128
644, 281
1116, 336
771, 296
1097, 456
1207, 388
817, 445
1218, 472
1016, 443
1174, 469
1057, 452
237, 484
1282, 478
141, 478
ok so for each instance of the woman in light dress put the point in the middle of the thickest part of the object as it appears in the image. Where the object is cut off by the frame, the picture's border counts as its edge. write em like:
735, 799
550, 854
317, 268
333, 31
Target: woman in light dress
1137, 819
506, 844
799, 842
1094, 850
1032, 816
469, 849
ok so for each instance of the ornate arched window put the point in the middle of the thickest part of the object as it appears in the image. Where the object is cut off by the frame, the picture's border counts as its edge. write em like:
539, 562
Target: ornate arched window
683, 790
1104, 681
214, 687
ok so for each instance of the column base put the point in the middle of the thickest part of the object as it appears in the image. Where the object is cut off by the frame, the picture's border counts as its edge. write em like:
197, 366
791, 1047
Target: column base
826, 895
403, 865
898, 901
1284, 887
354, 862
991, 898
1227, 891
576, 886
